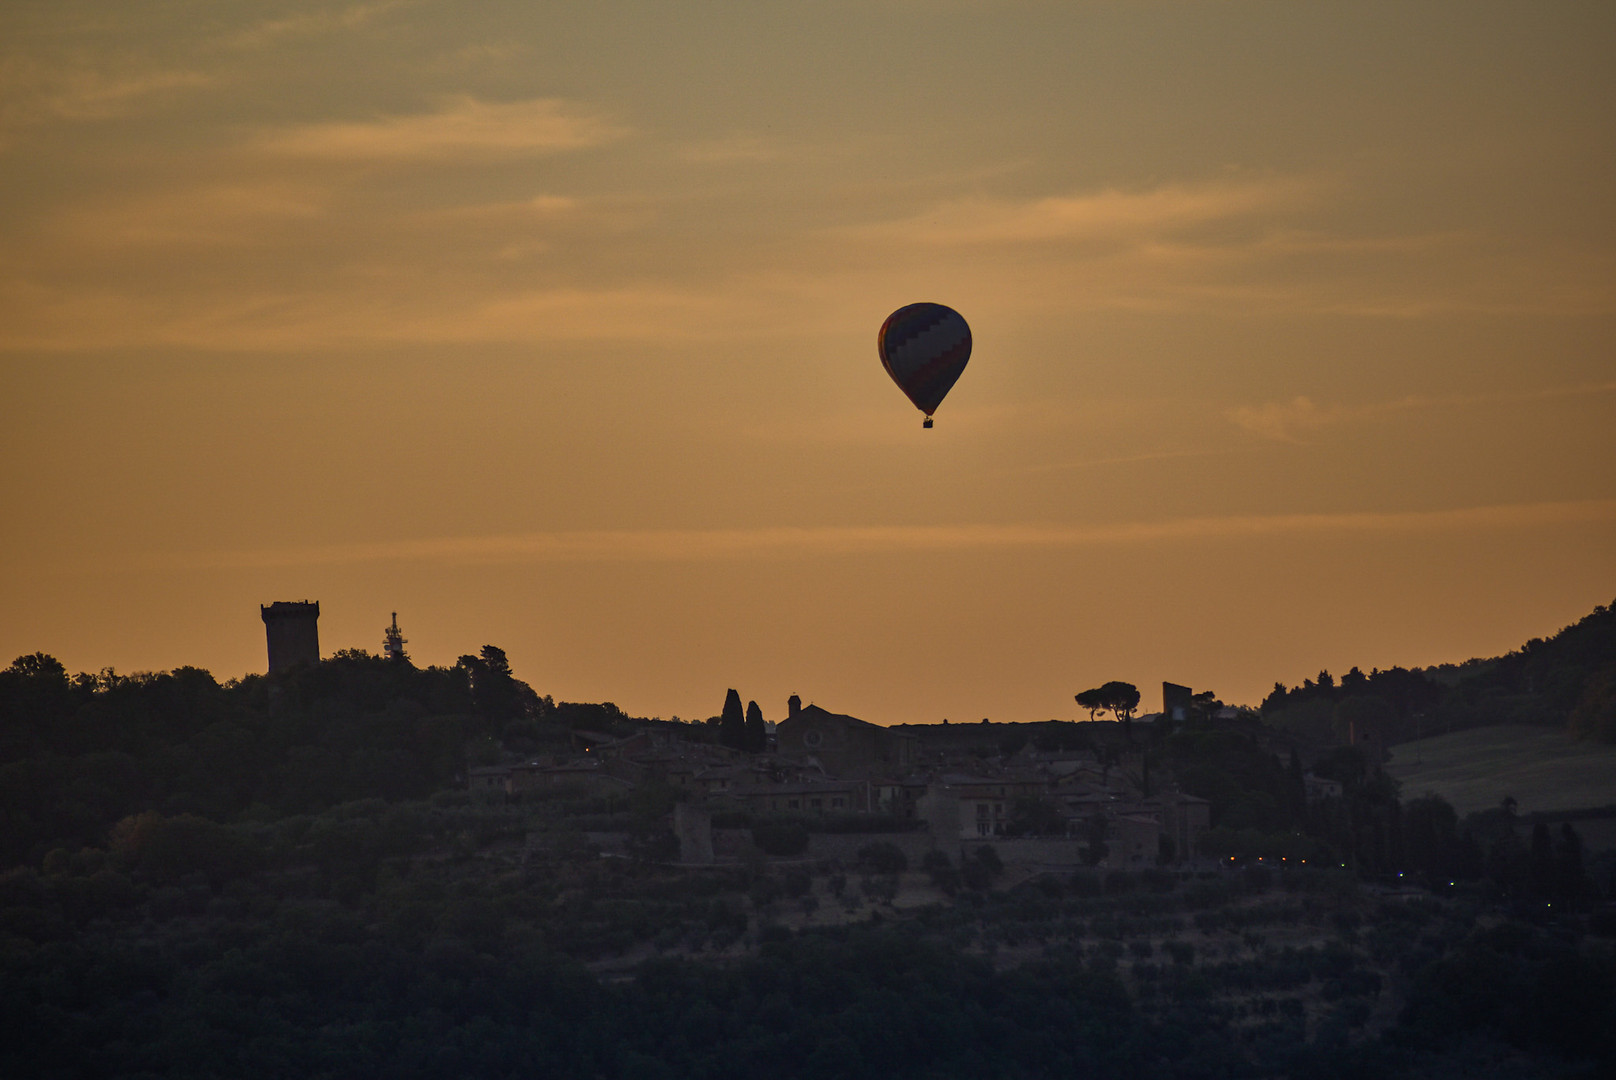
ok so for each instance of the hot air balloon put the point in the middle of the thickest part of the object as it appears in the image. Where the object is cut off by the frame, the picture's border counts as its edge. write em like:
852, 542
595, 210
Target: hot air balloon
924, 347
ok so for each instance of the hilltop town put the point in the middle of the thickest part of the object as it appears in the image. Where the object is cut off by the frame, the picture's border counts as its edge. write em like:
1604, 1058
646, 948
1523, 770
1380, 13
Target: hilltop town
1051, 796
1135, 791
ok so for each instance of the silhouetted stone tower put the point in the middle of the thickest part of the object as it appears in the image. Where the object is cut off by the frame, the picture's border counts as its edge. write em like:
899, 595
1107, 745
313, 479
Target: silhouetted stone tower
793, 706
294, 637
1176, 700
393, 642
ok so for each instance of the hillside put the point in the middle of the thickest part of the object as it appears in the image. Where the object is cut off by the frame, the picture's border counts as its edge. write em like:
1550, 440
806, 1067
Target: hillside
290, 877
1542, 769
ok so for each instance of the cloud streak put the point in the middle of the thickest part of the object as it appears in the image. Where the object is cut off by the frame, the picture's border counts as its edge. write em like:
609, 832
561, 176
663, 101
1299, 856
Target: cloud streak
463, 127
34, 92
1108, 214
238, 213
310, 24
1290, 421
721, 545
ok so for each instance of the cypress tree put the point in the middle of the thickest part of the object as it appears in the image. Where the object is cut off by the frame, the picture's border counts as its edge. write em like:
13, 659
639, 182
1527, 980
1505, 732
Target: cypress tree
1541, 866
732, 723
1571, 881
757, 735
1296, 788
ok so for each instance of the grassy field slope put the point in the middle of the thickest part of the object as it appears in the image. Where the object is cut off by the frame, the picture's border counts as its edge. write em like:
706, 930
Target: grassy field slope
1545, 770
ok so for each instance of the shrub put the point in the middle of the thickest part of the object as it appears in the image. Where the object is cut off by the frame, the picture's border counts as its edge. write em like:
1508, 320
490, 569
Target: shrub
979, 871
883, 858
881, 888
1086, 883
764, 892
780, 838
654, 845
163, 850
989, 858
1118, 882
1154, 880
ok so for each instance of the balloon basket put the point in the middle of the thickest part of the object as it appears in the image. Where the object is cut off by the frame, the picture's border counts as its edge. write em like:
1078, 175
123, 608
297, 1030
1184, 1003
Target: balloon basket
927, 424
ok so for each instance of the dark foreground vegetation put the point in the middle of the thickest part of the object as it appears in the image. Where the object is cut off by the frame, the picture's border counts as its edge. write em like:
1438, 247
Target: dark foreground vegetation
448, 940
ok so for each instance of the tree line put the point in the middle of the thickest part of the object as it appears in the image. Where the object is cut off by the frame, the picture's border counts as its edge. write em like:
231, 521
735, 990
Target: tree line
1567, 680
79, 753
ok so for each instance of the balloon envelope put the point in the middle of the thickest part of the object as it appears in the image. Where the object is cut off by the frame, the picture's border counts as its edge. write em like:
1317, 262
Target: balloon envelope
924, 348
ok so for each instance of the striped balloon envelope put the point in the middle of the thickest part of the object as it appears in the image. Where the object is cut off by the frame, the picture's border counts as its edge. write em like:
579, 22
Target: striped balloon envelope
924, 347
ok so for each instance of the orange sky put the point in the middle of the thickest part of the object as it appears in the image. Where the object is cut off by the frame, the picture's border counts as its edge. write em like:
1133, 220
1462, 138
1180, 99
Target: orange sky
552, 326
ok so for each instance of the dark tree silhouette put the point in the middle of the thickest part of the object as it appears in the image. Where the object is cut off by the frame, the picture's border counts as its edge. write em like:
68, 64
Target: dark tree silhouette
757, 735
1571, 880
732, 722
1092, 700
497, 694
1541, 866
1119, 698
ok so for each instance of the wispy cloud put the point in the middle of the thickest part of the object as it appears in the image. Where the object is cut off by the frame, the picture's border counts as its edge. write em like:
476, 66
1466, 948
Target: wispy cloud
42, 316
463, 127
310, 24
1233, 244
1108, 214
1291, 421
1126, 459
735, 149
1282, 421
33, 91
217, 212
675, 545
562, 266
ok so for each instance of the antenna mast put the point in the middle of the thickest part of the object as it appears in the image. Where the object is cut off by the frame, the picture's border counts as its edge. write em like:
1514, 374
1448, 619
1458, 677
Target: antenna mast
393, 642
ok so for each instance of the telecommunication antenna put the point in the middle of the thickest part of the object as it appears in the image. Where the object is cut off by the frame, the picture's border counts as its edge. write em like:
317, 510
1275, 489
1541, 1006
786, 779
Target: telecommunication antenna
393, 641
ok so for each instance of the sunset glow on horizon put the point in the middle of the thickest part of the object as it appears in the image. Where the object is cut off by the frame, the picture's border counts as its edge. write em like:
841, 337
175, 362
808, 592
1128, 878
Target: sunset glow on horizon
553, 327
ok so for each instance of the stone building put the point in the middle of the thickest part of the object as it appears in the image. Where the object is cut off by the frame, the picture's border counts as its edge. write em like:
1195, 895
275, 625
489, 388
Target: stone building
1183, 818
809, 797
1134, 841
845, 746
